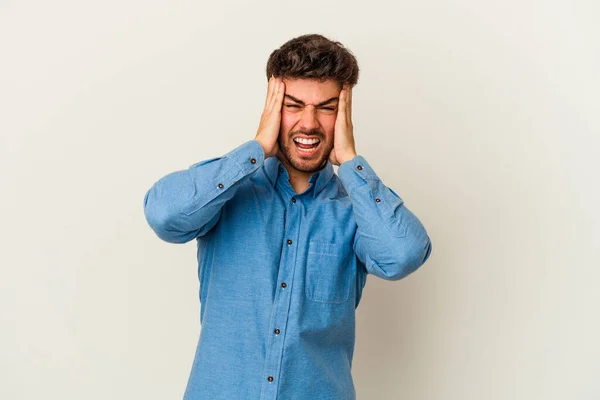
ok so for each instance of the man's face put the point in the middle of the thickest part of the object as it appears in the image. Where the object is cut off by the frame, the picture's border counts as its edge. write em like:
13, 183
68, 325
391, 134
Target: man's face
309, 111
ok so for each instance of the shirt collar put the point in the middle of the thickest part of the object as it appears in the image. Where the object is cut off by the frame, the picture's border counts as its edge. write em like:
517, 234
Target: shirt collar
319, 179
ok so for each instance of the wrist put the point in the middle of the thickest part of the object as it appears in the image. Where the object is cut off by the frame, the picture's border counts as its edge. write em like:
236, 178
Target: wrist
347, 157
265, 150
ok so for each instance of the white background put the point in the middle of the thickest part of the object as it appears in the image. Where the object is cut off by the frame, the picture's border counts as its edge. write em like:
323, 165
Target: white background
483, 116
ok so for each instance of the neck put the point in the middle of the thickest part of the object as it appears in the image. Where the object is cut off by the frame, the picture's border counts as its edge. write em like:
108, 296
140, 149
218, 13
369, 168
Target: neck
298, 179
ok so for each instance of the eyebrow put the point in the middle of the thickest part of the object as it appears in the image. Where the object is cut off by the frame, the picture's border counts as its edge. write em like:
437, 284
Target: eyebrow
302, 103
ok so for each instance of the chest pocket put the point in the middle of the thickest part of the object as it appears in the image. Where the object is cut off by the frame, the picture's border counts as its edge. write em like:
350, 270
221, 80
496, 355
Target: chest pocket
329, 272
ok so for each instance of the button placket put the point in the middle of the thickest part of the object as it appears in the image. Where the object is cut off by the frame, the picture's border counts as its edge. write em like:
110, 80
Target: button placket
273, 361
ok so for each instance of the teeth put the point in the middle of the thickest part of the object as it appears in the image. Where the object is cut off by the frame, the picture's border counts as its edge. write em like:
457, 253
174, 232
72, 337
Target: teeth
306, 141
306, 150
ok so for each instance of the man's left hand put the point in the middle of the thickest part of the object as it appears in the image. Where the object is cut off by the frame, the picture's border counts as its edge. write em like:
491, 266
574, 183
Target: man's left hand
343, 136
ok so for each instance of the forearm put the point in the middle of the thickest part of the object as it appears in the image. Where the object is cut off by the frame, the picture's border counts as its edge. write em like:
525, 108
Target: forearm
391, 241
185, 204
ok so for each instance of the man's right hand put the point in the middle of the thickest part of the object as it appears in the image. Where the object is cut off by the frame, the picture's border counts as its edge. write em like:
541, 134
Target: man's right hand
270, 120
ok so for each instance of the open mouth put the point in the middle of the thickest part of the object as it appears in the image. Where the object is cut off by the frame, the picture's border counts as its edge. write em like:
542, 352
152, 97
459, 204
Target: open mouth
307, 147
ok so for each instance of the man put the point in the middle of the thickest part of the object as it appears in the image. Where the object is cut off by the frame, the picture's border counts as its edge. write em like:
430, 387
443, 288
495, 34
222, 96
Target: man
285, 244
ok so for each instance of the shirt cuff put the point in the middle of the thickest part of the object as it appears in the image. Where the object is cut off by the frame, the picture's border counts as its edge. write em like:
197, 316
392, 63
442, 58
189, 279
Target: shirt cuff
249, 156
355, 172
230, 168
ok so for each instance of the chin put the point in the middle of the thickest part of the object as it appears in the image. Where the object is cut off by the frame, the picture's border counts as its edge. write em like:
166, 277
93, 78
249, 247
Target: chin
306, 164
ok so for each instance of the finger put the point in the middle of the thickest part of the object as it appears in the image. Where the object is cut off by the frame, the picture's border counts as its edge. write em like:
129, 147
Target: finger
273, 99
342, 104
270, 91
349, 103
279, 96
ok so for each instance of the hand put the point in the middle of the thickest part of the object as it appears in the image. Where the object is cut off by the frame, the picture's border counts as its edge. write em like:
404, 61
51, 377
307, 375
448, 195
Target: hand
270, 120
343, 136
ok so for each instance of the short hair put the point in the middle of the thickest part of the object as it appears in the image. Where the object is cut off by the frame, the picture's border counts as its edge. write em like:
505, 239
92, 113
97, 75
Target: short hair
313, 56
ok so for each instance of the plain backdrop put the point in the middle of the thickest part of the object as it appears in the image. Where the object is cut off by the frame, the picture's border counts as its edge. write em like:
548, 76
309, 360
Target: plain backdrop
483, 116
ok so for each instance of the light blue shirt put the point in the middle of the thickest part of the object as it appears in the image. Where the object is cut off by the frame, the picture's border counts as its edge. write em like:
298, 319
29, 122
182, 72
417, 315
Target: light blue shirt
281, 273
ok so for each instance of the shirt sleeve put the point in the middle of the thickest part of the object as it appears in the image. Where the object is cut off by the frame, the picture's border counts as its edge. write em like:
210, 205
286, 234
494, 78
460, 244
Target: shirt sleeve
186, 204
390, 240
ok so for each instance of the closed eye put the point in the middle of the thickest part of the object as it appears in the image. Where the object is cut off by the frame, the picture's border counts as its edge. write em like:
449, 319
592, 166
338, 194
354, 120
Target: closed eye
296, 106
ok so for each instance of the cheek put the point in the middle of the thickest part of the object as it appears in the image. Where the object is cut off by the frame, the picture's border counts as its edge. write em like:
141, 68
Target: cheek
328, 124
288, 121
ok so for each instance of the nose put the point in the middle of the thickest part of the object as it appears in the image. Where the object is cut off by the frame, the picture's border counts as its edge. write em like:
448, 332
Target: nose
308, 120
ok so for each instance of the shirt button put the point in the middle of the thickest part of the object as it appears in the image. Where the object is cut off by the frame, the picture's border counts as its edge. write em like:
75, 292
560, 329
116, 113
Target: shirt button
377, 200
359, 167
270, 379
293, 199
283, 285
277, 331
289, 241
253, 160
220, 186
280, 169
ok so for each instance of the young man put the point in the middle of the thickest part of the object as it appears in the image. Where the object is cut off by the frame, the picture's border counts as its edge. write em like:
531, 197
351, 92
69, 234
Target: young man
285, 244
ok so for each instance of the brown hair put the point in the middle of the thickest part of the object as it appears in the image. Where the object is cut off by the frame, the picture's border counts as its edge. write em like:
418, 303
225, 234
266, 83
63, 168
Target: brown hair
313, 56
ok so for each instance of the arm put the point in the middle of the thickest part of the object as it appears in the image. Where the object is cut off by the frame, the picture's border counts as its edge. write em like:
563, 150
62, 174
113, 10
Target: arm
185, 204
390, 240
